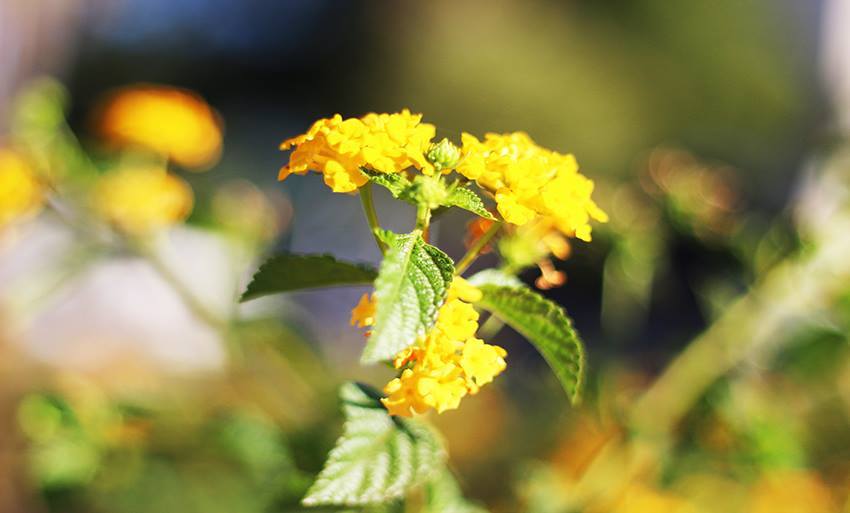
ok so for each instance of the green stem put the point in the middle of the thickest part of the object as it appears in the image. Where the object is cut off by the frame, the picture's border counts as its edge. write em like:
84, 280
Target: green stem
491, 327
423, 217
200, 310
371, 215
476, 248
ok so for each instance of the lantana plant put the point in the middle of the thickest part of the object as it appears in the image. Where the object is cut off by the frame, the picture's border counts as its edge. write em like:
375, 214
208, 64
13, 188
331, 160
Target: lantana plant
423, 316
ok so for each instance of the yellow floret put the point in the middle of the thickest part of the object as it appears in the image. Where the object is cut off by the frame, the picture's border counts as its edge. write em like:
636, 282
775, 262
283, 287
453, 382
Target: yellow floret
529, 181
337, 148
363, 314
446, 364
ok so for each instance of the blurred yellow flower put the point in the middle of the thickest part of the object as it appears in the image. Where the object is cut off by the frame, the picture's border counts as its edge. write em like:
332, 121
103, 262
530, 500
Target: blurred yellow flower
142, 199
172, 122
530, 181
643, 499
21, 193
791, 491
338, 148
446, 364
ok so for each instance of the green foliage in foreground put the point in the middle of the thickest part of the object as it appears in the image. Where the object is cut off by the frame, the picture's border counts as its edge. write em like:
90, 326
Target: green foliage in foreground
378, 458
412, 284
544, 324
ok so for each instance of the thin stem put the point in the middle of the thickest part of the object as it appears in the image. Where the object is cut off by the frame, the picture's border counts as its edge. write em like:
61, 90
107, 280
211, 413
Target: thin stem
423, 217
199, 309
476, 248
371, 215
491, 327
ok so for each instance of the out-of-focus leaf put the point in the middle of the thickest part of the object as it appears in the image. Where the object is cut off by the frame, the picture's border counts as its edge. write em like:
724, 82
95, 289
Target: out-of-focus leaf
411, 286
288, 272
443, 495
544, 324
378, 458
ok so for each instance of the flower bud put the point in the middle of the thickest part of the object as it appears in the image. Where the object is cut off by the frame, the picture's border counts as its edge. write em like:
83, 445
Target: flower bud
443, 155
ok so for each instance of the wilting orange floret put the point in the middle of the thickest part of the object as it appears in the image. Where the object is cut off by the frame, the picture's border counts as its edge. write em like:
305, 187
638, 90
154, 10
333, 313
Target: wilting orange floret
337, 148
446, 364
363, 315
173, 122
141, 200
21, 193
529, 181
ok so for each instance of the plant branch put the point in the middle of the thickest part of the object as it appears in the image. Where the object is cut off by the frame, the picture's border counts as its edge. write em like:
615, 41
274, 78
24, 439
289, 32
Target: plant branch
423, 217
371, 215
476, 248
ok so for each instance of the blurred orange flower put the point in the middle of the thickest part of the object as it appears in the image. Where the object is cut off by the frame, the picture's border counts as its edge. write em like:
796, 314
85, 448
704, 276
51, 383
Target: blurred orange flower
172, 122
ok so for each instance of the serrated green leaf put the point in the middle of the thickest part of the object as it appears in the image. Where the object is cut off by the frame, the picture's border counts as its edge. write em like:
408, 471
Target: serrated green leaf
494, 277
544, 324
378, 457
411, 286
467, 199
443, 495
398, 184
288, 272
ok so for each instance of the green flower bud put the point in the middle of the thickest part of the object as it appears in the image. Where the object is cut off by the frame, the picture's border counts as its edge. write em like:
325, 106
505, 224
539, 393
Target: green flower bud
443, 155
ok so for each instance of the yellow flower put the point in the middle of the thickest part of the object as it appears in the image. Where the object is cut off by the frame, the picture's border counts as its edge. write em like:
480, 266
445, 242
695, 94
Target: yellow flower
143, 199
446, 364
481, 362
337, 148
21, 193
363, 314
529, 181
403, 398
458, 320
462, 289
173, 122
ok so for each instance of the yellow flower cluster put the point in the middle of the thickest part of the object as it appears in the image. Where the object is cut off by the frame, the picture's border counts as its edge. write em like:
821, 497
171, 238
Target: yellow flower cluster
172, 122
21, 193
446, 364
139, 200
338, 148
530, 181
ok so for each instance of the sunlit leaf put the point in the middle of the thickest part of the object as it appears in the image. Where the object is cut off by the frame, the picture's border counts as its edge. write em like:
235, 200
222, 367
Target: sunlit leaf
467, 199
398, 185
443, 495
378, 458
544, 324
494, 277
411, 286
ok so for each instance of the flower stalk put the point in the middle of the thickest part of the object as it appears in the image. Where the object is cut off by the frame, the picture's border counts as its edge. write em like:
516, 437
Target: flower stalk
371, 215
475, 249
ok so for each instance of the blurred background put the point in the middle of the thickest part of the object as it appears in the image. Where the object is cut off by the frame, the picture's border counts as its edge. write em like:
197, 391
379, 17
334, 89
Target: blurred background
714, 304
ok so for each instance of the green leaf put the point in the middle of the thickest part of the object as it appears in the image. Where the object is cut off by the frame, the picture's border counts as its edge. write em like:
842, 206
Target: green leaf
288, 272
398, 184
494, 277
378, 457
443, 495
467, 199
431, 190
544, 324
411, 286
